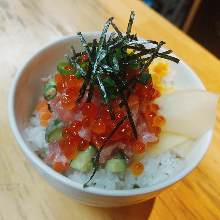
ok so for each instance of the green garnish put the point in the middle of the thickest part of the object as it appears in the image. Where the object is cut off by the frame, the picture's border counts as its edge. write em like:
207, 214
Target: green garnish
63, 68
54, 131
50, 90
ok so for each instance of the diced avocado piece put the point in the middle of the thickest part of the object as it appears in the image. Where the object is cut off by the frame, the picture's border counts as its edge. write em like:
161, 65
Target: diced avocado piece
54, 131
116, 165
83, 161
50, 90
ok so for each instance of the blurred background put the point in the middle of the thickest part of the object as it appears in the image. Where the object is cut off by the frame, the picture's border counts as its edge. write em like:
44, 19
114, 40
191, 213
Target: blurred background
198, 18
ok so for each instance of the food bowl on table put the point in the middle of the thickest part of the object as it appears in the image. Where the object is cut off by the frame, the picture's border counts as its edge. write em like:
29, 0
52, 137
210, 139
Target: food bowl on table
23, 97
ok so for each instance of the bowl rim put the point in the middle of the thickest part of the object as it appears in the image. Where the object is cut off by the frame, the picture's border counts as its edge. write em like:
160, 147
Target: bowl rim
65, 180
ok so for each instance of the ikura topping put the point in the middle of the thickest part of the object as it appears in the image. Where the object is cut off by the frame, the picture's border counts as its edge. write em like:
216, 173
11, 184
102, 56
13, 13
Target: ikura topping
136, 168
98, 108
60, 166
138, 147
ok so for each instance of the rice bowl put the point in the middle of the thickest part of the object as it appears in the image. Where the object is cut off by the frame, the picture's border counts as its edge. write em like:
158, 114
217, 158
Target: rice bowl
27, 81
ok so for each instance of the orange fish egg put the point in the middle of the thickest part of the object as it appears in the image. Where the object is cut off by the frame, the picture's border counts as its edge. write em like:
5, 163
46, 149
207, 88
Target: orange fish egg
60, 166
59, 82
138, 147
149, 107
72, 129
89, 110
99, 127
158, 120
68, 102
155, 129
153, 107
69, 147
71, 81
149, 116
83, 145
136, 168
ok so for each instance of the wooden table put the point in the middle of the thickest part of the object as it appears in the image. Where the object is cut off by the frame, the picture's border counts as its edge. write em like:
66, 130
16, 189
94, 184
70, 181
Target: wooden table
26, 26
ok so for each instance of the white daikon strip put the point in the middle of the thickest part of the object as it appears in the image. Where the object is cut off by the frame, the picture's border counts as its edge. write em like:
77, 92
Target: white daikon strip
167, 141
189, 113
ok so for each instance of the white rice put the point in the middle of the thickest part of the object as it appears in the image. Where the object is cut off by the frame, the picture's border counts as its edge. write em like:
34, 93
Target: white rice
156, 168
35, 134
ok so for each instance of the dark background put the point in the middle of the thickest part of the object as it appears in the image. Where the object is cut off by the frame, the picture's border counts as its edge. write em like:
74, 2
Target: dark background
205, 25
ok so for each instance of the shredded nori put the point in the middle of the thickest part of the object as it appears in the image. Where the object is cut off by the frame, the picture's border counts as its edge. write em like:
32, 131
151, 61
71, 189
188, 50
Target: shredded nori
136, 186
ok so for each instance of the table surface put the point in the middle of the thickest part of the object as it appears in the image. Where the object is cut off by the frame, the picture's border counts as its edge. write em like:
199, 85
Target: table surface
26, 26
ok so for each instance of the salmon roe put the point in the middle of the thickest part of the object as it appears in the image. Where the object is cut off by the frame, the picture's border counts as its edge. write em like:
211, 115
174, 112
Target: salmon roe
69, 147
71, 81
138, 147
124, 132
59, 82
89, 110
60, 166
83, 145
149, 116
147, 92
98, 140
136, 168
72, 130
68, 102
156, 130
99, 127
149, 107
158, 120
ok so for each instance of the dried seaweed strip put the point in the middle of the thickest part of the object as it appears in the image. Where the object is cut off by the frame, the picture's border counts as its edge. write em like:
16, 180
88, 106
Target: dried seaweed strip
117, 30
130, 22
85, 45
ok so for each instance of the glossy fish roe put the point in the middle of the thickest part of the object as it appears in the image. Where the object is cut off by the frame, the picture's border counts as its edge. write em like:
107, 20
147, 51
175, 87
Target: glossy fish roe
136, 168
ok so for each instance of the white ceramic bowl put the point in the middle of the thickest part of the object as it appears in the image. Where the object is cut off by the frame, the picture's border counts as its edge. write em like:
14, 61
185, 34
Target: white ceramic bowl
23, 97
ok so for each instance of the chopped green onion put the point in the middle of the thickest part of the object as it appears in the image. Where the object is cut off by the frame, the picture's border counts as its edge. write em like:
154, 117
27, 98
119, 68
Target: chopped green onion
50, 90
63, 68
